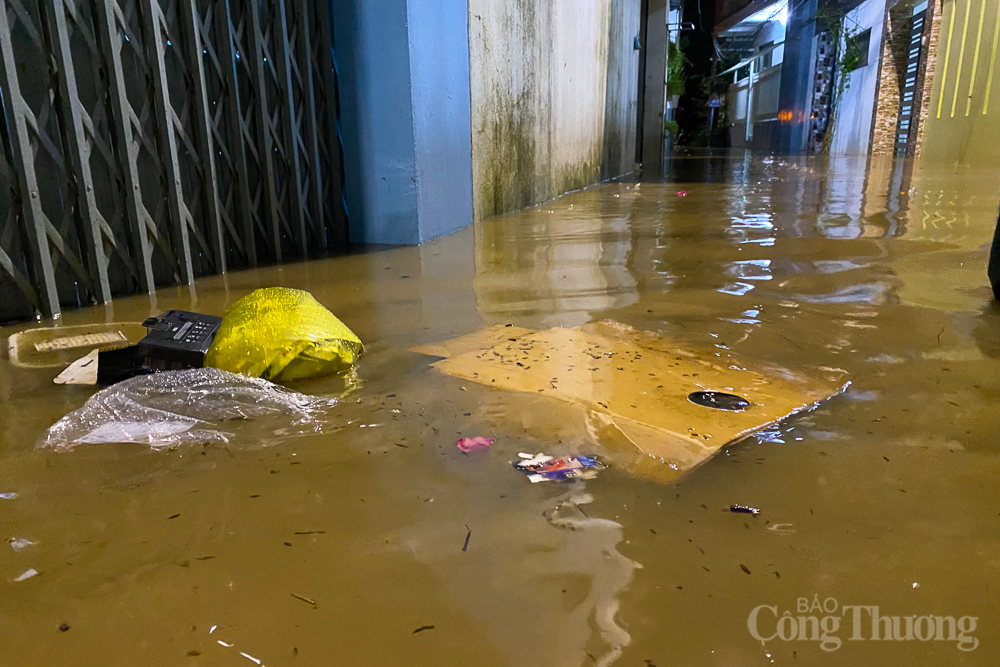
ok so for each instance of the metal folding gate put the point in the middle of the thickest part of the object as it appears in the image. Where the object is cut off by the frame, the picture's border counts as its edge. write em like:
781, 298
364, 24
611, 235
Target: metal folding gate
149, 142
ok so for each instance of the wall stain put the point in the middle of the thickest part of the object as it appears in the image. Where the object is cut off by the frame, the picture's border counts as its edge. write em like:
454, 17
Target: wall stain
529, 143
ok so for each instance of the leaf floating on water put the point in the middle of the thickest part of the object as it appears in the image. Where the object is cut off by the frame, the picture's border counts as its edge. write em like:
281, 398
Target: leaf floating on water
744, 568
27, 574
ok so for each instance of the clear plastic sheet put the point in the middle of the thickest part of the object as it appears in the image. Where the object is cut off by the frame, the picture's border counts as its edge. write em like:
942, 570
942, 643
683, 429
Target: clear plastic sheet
200, 405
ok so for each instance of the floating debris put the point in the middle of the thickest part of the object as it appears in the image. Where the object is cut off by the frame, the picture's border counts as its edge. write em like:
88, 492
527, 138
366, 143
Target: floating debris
474, 444
422, 628
781, 528
304, 599
8, 495
645, 408
468, 536
27, 574
744, 509
544, 468
20, 543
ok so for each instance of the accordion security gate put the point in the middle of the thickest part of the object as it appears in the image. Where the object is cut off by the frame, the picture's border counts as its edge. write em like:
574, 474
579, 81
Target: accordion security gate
149, 142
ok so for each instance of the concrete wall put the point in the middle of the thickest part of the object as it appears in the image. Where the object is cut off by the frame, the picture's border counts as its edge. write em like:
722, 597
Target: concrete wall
963, 118
621, 101
439, 79
404, 101
539, 85
853, 124
792, 135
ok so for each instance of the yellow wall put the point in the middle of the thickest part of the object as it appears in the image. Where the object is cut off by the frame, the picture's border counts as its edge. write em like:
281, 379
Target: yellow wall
963, 122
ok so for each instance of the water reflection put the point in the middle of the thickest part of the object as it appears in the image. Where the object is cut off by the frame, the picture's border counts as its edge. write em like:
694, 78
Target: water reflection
874, 268
558, 263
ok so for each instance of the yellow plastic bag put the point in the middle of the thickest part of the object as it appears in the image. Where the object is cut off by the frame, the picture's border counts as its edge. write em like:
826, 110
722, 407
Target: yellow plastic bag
283, 334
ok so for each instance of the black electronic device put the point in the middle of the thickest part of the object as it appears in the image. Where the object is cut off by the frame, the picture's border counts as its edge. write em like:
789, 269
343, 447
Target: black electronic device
176, 340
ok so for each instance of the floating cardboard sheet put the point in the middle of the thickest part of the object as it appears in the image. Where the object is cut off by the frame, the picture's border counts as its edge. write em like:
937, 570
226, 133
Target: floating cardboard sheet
473, 342
635, 387
81, 371
48, 347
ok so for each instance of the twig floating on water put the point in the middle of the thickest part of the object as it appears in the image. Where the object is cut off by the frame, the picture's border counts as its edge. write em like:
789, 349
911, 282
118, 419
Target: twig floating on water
303, 599
422, 628
468, 536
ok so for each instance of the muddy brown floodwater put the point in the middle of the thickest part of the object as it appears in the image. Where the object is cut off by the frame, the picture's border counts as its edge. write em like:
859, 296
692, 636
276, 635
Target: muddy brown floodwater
347, 547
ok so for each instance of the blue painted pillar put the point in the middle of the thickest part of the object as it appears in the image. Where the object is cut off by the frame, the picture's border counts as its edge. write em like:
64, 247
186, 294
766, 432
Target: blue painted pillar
403, 69
796, 82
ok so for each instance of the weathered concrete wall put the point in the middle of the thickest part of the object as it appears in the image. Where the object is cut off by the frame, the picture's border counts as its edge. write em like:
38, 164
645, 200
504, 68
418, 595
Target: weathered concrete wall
539, 85
621, 103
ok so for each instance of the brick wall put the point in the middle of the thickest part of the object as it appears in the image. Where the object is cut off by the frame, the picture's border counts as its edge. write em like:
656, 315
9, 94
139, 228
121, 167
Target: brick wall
892, 71
925, 74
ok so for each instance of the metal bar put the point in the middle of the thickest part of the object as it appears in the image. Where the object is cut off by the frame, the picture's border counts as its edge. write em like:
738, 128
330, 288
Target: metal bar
763, 52
961, 55
23, 165
203, 129
261, 116
292, 136
993, 67
153, 42
78, 149
311, 129
234, 118
109, 43
328, 82
22, 281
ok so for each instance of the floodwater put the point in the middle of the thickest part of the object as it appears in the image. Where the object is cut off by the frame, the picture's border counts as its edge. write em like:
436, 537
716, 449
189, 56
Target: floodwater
886, 495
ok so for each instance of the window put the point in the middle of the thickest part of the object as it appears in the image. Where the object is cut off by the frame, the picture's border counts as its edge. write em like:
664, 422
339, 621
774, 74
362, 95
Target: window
769, 56
862, 43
